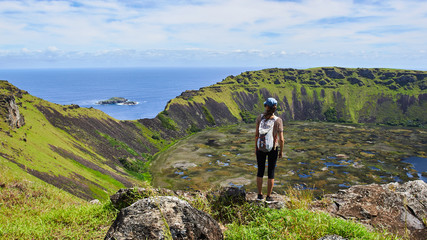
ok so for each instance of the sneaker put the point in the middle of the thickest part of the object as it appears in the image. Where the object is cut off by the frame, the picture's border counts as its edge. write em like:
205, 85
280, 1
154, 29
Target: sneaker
260, 197
269, 199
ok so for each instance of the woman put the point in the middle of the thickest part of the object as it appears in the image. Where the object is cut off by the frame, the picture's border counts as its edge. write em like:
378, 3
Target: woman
269, 142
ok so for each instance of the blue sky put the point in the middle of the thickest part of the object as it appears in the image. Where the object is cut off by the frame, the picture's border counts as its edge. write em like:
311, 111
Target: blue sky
253, 33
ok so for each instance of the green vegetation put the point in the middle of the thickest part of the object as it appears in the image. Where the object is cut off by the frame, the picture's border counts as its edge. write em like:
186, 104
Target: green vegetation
386, 96
32, 209
299, 224
331, 115
119, 144
193, 129
208, 116
167, 122
54, 154
152, 136
137, 167
249, 220
247, 117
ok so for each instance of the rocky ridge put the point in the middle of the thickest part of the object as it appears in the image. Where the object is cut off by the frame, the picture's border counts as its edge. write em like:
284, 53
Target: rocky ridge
398, 208
323, 94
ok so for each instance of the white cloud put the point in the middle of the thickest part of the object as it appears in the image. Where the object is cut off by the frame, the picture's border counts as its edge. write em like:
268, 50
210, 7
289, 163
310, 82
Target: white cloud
256, 27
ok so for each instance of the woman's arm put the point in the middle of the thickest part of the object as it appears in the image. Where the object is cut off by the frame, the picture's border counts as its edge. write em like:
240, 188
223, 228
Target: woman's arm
281, 143
256, 136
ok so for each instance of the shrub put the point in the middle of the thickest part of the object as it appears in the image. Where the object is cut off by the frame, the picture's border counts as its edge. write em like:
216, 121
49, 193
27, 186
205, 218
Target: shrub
331, 115
247, 117
167, 122
193, 129
208, 115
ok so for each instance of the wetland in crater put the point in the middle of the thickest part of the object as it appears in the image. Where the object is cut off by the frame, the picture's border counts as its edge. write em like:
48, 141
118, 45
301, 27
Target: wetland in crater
320, 156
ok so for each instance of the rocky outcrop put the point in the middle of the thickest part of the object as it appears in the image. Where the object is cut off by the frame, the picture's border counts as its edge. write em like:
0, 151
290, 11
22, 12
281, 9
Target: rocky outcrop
11, 112
125, 197
117, 100
396, 207
332, 237
163, 217
201, 115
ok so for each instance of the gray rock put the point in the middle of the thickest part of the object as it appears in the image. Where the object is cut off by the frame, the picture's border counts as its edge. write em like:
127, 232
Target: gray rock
127, 196
160, 217
397, 207
184, 165
279, 202
13, 118
95, 202
332, 237
413, 195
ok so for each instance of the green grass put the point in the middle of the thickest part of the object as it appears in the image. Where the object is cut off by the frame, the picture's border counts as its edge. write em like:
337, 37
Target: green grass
32, 209
299, 224
138, 168
119, 144
208, 116
167, 122
152, 136
247, 220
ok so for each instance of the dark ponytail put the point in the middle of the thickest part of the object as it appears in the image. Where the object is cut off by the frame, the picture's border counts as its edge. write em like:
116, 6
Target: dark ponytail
269, 112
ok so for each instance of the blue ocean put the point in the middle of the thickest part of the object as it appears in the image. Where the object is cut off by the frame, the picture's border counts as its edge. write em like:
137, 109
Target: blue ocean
152, 88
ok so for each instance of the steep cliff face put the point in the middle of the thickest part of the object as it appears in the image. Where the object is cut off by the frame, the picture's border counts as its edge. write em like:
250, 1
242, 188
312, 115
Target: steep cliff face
383, 96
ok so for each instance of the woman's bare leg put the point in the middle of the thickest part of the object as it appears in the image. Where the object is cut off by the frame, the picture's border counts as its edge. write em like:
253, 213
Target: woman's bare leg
270, 184
259, 184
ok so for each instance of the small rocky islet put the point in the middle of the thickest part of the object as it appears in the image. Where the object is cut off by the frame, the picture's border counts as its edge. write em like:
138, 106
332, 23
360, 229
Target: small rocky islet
117, 101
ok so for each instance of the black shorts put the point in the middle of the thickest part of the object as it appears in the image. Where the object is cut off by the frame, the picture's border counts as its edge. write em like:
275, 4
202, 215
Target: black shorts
261, 159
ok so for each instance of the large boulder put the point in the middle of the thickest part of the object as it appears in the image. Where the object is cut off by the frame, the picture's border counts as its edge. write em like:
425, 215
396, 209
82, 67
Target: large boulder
161, 218
125, 197
397, 207
10, 109
332, 237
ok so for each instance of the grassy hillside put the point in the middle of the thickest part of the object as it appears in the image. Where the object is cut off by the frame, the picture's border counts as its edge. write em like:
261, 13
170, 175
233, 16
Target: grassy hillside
384, 96
72, 148
33, 209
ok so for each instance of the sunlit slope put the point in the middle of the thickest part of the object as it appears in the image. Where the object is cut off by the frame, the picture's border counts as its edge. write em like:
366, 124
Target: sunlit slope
383, 96
83, 156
